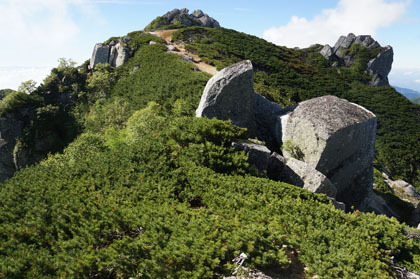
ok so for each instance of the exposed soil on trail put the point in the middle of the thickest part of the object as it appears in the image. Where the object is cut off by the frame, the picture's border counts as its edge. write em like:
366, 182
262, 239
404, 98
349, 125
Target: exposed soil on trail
185, 54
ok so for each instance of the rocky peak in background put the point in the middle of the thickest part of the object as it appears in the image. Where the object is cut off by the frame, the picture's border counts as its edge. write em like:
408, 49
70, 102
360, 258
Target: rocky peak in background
345, 53
182, 18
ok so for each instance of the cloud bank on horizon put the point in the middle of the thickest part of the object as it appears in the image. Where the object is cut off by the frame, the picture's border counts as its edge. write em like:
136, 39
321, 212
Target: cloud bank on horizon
350, 16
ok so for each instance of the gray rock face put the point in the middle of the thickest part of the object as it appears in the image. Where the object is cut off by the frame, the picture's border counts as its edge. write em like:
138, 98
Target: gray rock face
376, 204
121, 55
337, 138
344, 42
198, 17
300, 174
258, 155
265, 113
230, 95
327, 52
379, 67
100, 55
197, 13
10, 129
291, 170
114, 54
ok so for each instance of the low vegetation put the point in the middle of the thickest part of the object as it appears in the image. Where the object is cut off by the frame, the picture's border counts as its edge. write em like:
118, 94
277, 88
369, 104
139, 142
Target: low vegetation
288, 76
146, 190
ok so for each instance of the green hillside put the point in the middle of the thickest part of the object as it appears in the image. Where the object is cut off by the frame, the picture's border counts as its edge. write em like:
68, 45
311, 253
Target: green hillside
139, 187
416, 100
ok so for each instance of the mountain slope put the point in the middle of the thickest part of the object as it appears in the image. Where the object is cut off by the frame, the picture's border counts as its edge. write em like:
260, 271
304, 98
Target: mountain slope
149, 191
408, 93
288, 76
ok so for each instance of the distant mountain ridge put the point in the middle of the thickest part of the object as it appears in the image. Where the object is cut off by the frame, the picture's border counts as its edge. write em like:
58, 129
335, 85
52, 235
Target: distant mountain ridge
408, 93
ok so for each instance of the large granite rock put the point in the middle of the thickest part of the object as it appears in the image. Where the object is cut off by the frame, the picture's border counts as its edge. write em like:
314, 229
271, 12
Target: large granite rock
337, 138
378, 67
265, 113
114, 53
100, 55
119, 55
230, 95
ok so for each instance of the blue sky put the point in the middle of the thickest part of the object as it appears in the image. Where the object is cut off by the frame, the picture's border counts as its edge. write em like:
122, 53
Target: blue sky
36, 33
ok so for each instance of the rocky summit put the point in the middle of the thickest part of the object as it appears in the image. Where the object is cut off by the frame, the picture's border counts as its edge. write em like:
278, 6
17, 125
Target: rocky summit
178, 18
344, 53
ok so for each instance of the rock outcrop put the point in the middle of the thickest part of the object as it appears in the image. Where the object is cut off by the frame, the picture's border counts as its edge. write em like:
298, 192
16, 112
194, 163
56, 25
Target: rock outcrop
292, 171
328, 143
403, 190
378, 67
337, 138
178, 17
230, 95
11, 127
300, 174
115, 54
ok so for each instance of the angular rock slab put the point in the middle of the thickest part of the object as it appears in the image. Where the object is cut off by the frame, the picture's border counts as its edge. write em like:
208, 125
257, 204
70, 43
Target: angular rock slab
380, 66
119, 55
258, 155
100, 55
230, 95
337, 138
300, 174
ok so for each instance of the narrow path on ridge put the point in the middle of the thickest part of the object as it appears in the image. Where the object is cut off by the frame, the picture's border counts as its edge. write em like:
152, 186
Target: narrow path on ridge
181, 51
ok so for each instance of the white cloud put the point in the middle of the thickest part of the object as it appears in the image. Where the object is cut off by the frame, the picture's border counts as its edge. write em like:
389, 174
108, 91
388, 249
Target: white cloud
408, 73
37, 21
417, 81
36, 33
12, 77
350, 16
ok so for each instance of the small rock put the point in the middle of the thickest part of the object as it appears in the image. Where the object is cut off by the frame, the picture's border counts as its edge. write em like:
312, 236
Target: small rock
171, 48
152, 43
258, 155
299, 174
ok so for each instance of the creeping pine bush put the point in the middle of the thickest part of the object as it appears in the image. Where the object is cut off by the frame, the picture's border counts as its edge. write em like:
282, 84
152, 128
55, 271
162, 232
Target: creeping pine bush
148, 191
168, 198
289, 76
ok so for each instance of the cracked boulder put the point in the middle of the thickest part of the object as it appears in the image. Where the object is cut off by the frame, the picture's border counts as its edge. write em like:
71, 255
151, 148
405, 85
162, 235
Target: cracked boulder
337, 138
114, 53
300, 174
229, 95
